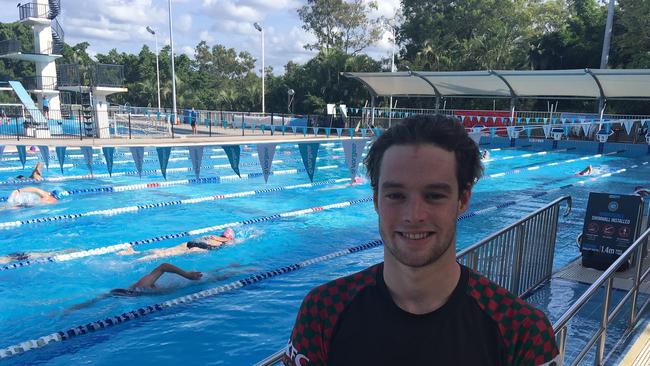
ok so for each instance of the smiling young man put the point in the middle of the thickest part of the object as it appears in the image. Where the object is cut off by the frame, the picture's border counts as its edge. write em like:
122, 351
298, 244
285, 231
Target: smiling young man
420, 307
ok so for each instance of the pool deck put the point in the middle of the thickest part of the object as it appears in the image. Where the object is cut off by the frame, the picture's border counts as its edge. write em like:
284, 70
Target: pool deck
183, 137
639, 353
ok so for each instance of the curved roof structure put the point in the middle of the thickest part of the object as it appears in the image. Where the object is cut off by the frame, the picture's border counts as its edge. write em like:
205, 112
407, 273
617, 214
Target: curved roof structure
539, 84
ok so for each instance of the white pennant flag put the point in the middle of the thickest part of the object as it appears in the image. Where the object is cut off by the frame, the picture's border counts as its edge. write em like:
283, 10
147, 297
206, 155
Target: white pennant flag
628, 123
87, 151
137, 153
265, 153
547, 130
353, 150
196, 155
585, 128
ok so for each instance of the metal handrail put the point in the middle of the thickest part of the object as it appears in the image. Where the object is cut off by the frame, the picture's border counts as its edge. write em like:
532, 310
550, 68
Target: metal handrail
39, 82
520, 256
108, 75
607, 279
10, 46
33, 10
542, 222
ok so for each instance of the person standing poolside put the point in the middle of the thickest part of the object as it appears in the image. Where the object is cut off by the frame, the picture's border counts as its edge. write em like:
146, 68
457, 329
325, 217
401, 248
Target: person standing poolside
420, 306
193, 120
46, 106
198, 245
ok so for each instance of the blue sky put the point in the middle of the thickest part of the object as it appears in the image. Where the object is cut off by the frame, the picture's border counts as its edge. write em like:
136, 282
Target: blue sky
121, 24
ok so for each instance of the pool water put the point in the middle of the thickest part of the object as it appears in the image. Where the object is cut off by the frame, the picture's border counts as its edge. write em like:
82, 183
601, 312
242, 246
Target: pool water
245, 325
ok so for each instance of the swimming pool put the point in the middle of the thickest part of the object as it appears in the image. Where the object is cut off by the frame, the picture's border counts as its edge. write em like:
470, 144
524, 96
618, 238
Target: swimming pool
244, 325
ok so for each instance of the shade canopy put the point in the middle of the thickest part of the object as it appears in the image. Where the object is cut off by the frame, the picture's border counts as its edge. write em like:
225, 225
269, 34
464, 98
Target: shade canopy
539, 84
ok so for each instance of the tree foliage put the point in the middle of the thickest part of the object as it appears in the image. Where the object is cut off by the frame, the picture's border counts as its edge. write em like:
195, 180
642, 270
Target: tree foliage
340, 25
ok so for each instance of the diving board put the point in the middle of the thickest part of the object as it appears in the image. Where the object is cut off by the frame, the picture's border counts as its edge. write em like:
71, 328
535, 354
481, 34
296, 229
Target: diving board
40, 128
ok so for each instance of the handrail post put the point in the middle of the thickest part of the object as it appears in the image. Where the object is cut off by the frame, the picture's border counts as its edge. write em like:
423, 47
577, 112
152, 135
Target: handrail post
600, 352
635, 288
516, 267
561, 345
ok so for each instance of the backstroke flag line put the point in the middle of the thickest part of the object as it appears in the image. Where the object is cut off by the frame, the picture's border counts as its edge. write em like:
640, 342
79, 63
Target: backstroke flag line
265, 153
353, 150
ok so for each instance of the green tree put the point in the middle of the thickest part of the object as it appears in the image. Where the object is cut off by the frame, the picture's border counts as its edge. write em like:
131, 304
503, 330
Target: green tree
632, 43
340, 25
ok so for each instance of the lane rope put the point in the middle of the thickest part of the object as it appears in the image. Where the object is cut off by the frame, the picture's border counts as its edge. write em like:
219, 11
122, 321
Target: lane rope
70, 333
135, 208
122, 246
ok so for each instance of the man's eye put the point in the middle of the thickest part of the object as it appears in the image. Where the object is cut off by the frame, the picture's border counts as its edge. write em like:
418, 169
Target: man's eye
435, 196
394, 196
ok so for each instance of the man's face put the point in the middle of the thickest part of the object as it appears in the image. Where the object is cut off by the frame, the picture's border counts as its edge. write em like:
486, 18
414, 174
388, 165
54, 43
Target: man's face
418, 202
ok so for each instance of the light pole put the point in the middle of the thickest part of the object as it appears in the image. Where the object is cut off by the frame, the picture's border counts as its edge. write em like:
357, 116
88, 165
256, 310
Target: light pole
260, 29
150, 30
171, 43
604, 57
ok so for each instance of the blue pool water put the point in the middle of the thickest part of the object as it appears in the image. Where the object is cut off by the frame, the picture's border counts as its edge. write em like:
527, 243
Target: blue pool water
245, 325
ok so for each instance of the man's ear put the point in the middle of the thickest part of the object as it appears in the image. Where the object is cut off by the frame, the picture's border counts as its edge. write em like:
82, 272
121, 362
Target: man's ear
463, 199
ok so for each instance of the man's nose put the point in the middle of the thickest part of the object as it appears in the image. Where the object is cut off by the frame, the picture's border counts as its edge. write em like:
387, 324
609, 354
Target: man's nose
416, 210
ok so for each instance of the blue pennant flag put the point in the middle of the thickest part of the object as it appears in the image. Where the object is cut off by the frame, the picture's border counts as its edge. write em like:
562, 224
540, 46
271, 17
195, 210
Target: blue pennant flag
283, 129
527, 120
377, 131
304, 131
196, 155
2, 150
252, 128
22, 154
518, 120
537, 119
60, 155
309, 152
137, 153
109, 152
45, 155
233, 152
87, 152
528, 131
328, 131
265, 153
293, 129
363, 132
316, 131
493, 131
339, 131
351, 131
164, 152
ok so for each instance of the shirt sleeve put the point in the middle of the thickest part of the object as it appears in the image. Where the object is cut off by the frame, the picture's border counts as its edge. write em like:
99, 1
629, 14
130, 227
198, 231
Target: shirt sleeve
306, 345
536, 345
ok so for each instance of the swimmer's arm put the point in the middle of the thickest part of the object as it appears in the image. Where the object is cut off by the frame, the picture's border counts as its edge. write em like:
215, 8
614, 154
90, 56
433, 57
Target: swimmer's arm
149, 281
84, 304
41, 193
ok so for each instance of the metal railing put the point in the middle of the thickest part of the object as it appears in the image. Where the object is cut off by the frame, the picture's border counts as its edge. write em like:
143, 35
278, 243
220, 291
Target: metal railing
10, 46
39, 83
33, 10
518, 258
108, 75
609, 314
68, 74
58, 37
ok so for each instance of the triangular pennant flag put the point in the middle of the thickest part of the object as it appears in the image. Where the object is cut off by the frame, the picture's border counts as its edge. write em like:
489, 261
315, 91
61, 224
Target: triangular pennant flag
511, 131
309, 152
252, 128
475, 136
545, 120
328, 131
547, 130
527, 120
2, 150
22, 154
164, 152
233, 152
528, 131
196, 155
585, 128
87, 151
316, 131
293, 129
351, 131
353, 150
501, 120
60, 154
265, 153
493, 131
339, 131
45, 154
137, 153
304, 131
628, 125
283, 129
109, 152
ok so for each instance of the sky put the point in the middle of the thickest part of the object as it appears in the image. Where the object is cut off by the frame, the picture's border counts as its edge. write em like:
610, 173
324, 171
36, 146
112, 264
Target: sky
121, 24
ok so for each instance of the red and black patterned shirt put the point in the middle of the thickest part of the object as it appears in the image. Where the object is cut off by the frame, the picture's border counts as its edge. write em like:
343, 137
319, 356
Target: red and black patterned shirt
354, 321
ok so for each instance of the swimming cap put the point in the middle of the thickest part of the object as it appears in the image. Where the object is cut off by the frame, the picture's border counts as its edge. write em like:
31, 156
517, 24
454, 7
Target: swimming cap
57, 194
228, 233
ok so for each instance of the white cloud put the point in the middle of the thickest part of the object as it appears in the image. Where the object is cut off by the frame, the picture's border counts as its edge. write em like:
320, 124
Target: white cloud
189, 51
185, 23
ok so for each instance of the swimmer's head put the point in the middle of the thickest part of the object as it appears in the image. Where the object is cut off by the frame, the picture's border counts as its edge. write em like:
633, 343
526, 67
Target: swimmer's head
228, 233
57, 194
20, 177
357, 180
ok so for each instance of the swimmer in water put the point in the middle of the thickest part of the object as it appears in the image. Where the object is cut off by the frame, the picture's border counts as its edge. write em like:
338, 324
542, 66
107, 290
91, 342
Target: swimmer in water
485, 155
27, 256
31, 196
37, 173
586, 171
149, 281
198, 245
